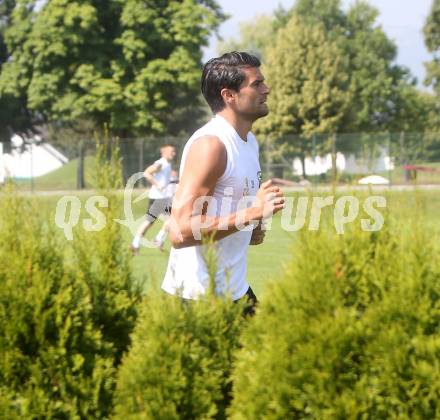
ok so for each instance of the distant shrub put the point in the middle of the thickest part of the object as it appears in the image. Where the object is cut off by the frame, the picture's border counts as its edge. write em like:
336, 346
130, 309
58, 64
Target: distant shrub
350, 332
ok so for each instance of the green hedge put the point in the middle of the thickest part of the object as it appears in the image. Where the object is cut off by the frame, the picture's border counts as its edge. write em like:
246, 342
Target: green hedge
179, 364
54, 361
66, 311
351, 331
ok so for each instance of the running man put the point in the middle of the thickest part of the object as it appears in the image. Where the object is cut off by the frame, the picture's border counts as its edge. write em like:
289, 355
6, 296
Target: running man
161, 236
158, 175
220, 162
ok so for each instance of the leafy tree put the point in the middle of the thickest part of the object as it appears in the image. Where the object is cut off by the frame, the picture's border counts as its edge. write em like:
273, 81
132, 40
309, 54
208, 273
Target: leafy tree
374, 78
432, 41
327, 12
428, 126
255, 37
128, 63
413, 111
309, 88
377, 87
14, 115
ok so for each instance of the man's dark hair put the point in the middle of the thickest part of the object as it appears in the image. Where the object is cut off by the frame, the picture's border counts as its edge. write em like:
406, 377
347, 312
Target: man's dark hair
225, 72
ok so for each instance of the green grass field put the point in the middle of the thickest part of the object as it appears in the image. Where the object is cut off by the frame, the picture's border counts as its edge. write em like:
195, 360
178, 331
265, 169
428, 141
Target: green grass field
265, 261
268, 260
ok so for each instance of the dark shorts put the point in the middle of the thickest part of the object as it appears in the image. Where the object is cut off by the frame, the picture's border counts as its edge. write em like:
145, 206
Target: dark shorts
251, 302
158, 206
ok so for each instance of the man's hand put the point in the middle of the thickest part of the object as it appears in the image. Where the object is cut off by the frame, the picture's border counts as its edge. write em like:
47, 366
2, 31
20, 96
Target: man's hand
269, 200
258, 235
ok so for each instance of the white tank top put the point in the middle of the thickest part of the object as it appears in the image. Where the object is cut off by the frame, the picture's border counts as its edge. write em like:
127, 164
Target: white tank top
172, 186
187, 274
162, 176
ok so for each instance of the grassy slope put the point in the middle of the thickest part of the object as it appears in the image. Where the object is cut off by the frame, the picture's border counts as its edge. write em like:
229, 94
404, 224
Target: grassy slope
63, 178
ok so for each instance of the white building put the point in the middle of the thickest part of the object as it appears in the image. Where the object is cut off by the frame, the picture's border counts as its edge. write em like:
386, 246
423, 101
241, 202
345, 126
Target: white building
348, 164
29, 160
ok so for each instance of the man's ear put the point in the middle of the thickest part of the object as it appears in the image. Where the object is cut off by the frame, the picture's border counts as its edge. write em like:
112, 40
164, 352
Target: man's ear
227, 95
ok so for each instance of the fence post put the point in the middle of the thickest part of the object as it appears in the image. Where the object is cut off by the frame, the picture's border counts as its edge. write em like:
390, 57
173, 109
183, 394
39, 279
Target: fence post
391, 161
314, 148
80, 184
403, 160
315, 178
268, 160
32, 166
141, 159
334, 151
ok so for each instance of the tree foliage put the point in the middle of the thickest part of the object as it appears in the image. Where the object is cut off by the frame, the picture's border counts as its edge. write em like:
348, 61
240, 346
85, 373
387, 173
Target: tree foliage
127, 63
432, 41
379, 95
310, 92
255, 37
14, 115
351, 332
181, 359
374, 79
66, 312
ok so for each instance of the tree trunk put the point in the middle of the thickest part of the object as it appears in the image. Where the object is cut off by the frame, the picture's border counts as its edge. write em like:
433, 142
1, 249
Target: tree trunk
141, 166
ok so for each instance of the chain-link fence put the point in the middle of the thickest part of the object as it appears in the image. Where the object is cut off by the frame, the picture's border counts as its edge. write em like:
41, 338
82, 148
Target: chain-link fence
40, 166
392, 158
397, 158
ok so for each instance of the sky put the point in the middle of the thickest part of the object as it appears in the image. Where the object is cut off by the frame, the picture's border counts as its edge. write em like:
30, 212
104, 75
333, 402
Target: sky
402, 21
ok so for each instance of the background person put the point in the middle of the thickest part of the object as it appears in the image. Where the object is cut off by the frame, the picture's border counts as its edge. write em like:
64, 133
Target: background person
158, 175
161, 236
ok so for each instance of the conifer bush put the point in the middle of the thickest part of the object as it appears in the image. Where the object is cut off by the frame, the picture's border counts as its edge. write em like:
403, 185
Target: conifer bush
53, 360
65, 316
350, 332
102, 258
180, 361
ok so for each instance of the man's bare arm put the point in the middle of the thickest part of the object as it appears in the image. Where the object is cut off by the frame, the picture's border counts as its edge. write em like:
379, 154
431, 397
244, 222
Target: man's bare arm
149, 174
205, 164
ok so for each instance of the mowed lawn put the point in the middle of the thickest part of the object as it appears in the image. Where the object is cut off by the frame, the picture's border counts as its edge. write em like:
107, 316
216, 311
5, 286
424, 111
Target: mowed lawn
267, 261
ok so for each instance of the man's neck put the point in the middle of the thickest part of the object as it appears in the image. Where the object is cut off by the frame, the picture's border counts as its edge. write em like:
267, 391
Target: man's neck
241, 126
